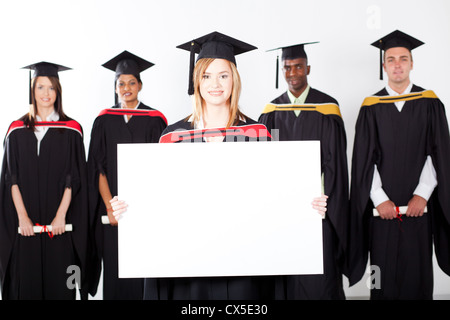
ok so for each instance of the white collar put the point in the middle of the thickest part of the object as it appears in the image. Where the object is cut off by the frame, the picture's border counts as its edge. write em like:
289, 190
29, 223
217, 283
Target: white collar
391, 91
137, 105
52, 117
125, 117
399, 104
40, 132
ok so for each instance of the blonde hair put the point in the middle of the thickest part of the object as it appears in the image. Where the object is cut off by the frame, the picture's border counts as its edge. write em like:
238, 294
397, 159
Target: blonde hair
234, 113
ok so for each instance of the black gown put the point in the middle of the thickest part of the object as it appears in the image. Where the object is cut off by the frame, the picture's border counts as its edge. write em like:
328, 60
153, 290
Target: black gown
109, 129
211, 288
320, 119
37, 267
399, 143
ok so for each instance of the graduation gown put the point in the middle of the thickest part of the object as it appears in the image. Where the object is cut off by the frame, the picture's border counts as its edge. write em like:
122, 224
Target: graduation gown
37, 267
210, 288
398, 143
109, 129
319, 119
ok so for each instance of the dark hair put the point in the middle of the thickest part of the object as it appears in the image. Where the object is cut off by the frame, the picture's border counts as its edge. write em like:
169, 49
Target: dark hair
138, 78
30, 118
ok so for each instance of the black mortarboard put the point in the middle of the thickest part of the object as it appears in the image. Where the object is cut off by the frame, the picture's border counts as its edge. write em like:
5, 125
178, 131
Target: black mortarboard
44, 69
393, 40
290, 52
213, 45
127, 63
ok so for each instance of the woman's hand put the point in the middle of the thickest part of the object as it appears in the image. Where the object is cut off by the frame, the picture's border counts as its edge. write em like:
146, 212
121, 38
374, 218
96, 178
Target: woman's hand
112, 219
320, 204
118, 206
26, 227
58, 225
59, 222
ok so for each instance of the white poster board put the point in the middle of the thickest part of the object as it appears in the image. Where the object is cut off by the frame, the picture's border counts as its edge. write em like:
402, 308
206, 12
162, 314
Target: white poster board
219, 209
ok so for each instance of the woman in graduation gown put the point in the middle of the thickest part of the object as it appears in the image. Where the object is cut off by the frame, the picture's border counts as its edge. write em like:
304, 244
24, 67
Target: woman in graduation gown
216, 118
43, 183
129, 121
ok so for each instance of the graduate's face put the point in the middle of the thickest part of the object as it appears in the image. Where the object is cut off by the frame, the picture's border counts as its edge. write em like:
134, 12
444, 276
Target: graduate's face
398, 64
296, 72
44, 93
127, 88
216, 84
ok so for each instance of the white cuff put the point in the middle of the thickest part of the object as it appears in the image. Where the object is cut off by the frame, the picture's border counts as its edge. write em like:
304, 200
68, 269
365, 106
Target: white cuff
427, 180
378, 196
424, 191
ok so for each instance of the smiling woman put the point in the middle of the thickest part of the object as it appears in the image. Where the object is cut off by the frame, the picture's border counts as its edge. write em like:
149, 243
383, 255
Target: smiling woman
44, 90
217, 93
43, 183
129, 121
127, 88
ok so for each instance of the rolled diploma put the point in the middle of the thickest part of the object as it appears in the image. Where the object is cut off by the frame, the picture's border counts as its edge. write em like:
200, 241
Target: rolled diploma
402, 210
105, 220
38, 229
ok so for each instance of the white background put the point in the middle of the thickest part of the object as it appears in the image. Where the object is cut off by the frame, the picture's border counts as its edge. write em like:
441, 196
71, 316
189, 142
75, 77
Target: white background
84, 34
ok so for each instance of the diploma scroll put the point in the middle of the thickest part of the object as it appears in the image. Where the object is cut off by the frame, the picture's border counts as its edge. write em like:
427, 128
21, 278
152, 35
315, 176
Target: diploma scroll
48, 228
400, 210
105, 220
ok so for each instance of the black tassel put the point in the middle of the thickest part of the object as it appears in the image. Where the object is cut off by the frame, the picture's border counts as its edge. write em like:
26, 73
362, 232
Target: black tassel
30, 89
381, 59
191, 70
276, 74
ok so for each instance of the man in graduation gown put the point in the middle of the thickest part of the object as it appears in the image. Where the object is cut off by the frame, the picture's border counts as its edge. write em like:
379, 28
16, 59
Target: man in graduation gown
401, 159
304, 113
119, 124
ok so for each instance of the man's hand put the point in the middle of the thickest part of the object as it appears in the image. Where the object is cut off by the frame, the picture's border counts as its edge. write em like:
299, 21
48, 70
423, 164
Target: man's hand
387, 210
416, 206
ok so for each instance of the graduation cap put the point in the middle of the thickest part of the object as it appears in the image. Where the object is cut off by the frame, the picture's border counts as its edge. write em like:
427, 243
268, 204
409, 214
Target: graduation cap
289, 53
213, 45
127, 63
393, 40
44, 69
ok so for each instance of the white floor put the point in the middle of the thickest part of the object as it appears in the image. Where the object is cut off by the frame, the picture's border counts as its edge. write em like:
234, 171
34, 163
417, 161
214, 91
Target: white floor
359, 291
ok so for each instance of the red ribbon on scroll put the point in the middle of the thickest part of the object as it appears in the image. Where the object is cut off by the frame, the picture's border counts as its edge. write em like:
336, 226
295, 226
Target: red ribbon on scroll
399, 216
45, 229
